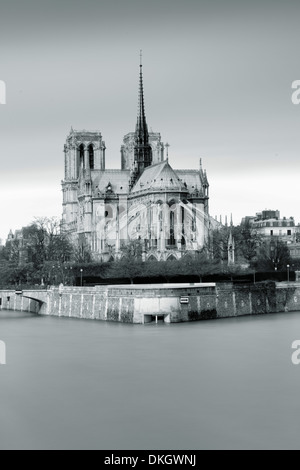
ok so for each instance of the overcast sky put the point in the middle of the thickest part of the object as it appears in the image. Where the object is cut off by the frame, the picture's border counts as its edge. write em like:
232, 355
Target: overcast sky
217, 80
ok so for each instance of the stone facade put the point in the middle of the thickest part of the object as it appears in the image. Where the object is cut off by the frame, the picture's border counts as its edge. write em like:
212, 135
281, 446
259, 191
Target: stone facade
269, 224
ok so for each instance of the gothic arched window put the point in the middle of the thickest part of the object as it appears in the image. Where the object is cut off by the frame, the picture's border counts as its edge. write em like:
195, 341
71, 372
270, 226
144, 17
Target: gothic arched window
91, 156
81, 156
172, 228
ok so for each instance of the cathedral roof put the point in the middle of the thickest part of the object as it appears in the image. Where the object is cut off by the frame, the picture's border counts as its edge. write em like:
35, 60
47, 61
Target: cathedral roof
117, 179
192, 179
160, 176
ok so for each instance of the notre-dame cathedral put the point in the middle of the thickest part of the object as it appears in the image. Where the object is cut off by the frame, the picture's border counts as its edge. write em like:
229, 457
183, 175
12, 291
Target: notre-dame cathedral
145, 200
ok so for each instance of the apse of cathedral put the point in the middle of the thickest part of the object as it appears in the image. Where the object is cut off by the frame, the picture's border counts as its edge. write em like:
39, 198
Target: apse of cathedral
147, 200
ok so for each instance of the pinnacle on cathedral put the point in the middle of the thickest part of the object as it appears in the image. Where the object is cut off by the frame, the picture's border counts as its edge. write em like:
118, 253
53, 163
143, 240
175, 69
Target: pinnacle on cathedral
231, 245
142, 148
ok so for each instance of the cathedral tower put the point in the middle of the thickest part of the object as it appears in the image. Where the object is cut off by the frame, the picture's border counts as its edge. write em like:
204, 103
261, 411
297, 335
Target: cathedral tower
84, 155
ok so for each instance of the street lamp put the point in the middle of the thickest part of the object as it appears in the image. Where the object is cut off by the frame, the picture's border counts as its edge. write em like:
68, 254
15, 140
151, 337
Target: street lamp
288, 272
81, 271
275, 262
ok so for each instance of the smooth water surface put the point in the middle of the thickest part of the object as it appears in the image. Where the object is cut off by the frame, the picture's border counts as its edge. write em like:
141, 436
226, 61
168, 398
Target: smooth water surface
83, 384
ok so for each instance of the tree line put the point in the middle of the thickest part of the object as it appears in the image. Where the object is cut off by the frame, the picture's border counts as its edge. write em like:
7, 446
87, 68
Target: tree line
42, 254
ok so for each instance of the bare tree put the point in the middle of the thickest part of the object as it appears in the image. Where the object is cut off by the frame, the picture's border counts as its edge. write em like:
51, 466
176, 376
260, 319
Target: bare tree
273, 255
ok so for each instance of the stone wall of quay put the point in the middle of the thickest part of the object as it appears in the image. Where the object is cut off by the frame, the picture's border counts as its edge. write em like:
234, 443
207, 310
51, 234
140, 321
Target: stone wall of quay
146, 303
9, 300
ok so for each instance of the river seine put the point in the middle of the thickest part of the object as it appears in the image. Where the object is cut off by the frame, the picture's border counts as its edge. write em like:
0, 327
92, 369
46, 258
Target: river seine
83, 384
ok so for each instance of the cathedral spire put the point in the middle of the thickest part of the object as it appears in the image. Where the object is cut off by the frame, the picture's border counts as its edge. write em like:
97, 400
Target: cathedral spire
141, 125
142, 149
